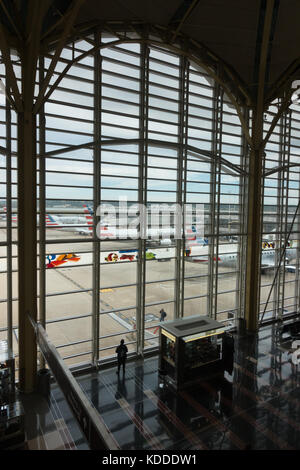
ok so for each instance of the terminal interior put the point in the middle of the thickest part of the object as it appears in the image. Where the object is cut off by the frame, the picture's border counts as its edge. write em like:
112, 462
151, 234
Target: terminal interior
149, 163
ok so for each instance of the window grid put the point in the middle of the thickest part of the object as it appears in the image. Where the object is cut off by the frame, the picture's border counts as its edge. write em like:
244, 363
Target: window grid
145, 106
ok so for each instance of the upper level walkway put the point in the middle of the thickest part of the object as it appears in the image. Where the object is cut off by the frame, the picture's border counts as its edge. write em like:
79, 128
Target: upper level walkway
256, 407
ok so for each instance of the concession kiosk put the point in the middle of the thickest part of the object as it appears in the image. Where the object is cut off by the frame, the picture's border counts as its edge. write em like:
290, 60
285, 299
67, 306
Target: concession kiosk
190, 349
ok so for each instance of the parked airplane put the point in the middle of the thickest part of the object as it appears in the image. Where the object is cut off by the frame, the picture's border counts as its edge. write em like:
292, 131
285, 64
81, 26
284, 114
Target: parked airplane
116, 256
50, 222
80, 224
163, 236
228, 255
83, 226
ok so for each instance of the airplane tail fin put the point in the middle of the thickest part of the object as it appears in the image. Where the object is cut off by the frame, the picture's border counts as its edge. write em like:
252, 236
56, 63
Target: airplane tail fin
190, 233
14, 217
193, 238
5, 213
50, 221
106, 231
89, 217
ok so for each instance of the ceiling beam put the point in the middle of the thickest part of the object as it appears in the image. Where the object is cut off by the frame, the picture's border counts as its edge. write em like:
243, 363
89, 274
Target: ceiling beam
284, 81
11, 20
12, 89
263, 54
30, 48
181, 15
70, 17
265, 32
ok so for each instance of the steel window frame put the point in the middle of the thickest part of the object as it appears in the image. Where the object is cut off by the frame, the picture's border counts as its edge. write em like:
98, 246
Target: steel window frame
181, 193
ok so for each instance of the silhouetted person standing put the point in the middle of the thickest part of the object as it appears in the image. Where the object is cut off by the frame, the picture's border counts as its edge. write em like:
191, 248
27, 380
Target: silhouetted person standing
122, 355
162, 315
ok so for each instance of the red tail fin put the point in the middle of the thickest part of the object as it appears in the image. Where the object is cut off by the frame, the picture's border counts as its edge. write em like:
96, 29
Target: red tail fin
89, 218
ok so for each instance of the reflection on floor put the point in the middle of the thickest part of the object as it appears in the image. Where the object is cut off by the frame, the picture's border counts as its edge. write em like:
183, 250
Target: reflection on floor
257, 407
50, 424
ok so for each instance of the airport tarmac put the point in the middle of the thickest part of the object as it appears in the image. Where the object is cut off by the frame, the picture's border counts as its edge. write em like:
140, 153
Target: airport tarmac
69, 289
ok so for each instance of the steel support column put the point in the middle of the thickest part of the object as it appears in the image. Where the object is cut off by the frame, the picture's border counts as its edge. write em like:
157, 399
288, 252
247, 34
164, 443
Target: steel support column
297, 263
254, 225
96, 197
142, 195
181, 189
282, 215
9, 226
42, 212
252, 292
27, 211
243, 211
215, 195
286, 145
27, 247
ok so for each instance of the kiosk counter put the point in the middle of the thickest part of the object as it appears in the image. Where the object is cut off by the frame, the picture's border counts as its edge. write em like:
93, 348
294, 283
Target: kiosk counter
190, 349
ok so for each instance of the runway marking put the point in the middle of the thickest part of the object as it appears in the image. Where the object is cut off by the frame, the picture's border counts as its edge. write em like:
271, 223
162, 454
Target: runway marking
113, 315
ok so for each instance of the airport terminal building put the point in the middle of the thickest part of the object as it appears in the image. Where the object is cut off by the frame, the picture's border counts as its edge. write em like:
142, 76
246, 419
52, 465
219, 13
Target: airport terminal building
150, 192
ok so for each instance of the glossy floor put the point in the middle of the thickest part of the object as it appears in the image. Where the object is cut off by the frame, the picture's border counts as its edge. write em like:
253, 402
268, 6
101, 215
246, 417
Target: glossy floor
255, 407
